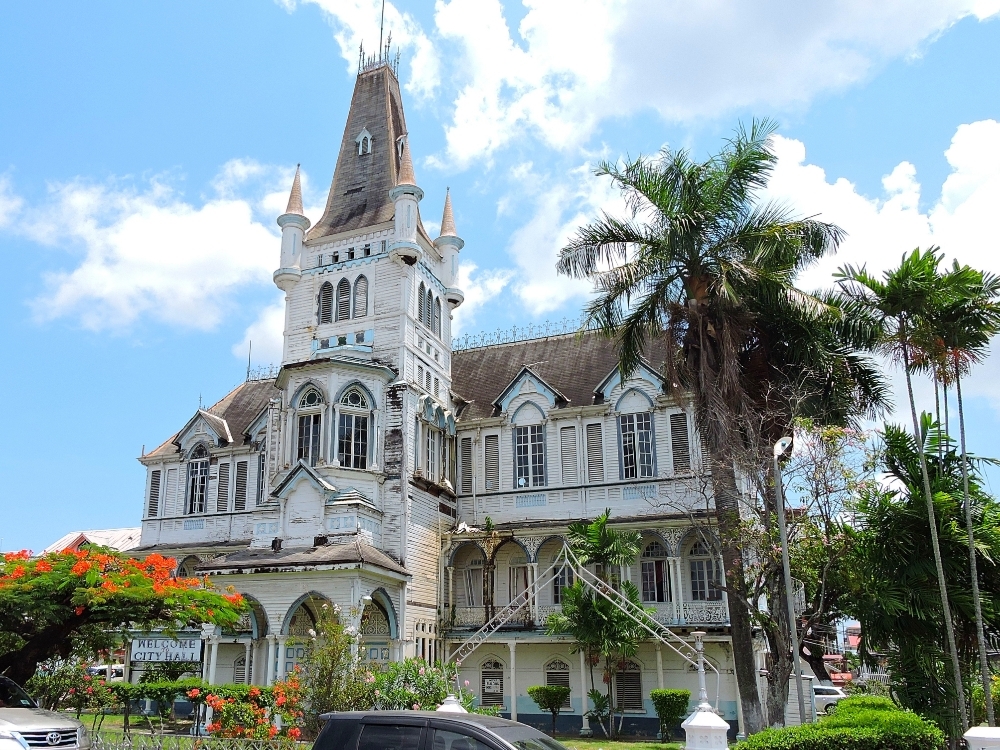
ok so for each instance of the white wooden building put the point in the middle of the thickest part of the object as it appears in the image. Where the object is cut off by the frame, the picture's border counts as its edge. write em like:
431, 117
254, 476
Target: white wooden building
345, 479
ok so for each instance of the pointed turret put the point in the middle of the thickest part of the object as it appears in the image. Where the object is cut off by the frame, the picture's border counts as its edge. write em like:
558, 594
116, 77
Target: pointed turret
406, 176
449, 244
295, 197
293, 225
406, 197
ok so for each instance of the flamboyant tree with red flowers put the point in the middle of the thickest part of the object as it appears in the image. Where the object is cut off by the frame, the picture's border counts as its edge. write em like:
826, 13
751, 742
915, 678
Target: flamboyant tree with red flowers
47, 602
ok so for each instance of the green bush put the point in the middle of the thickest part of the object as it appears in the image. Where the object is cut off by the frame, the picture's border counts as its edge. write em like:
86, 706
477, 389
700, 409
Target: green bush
862, 723
549, 698
670, 706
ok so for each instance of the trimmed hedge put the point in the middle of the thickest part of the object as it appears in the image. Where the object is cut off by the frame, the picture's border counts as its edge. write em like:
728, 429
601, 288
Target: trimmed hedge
864, 723
670, 705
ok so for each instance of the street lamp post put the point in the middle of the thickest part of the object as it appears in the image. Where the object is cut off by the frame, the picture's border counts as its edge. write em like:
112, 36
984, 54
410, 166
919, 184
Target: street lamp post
779, 449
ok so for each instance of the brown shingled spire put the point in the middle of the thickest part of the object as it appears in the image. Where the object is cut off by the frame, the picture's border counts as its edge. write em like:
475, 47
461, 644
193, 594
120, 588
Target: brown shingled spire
448, 218
295, 198
406, 176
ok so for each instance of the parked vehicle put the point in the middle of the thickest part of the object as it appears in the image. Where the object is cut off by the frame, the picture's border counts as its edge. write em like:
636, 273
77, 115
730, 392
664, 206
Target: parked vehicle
417, 730
24, 726
826, 697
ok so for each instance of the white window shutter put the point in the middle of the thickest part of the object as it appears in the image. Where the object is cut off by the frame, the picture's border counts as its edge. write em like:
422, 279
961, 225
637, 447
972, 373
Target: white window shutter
491, 445
466, 459
343, 300
241, 486
222, 496
680, 443
154, 493
595, 453
567, 450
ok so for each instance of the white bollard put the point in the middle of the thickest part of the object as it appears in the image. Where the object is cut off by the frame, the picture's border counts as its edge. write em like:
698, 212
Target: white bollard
704, 729
983, 738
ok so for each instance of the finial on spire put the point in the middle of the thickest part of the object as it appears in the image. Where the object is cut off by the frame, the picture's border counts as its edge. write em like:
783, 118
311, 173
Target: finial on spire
295, 198
448, 218
406, 176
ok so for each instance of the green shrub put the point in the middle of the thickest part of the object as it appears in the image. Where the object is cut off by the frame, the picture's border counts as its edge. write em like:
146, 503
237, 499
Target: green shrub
549, 698
670, 706
863, 723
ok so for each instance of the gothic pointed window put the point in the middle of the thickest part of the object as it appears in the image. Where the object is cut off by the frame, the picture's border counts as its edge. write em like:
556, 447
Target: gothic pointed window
705, 573
343, 300
636, 432
628, 687
437, 316
420, 302
360, 297
310, 413
428, 309
353, 430
655, 573
325, 314
557, 673
197, 480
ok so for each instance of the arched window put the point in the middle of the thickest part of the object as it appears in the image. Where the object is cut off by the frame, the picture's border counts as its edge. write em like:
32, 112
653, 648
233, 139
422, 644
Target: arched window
343, 300
705, 573
492, 683
628, 687
310, 411
437, 316
325, 314
428, 307
557, 673
636, 431
655, 573
420, 302
197, 480
360, 297
353, 430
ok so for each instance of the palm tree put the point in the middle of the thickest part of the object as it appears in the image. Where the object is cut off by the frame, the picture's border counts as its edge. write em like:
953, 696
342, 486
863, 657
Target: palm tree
903, 300
958, 334
597, 543
705, 267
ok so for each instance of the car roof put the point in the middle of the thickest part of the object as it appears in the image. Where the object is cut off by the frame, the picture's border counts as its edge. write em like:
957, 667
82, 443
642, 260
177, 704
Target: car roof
488, 722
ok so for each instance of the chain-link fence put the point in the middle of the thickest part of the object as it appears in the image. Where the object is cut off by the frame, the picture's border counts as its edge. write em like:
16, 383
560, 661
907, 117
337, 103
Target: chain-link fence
141, 741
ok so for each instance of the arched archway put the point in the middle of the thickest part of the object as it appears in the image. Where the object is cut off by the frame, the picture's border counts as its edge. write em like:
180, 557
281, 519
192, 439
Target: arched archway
300, 625
375, 631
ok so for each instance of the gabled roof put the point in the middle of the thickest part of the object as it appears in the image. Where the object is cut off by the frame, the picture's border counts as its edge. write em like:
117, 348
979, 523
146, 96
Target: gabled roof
571, 364
355, 551
303, 471
514, 388
237, 409
119, 539
359, 193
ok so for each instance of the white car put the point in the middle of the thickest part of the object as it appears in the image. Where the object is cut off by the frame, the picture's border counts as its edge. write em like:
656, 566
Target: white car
24, 726
826, 697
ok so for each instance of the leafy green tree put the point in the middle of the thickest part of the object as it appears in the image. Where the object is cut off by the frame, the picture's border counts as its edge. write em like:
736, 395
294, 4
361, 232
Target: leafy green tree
549, 698
47, 602
903, 299
702, 275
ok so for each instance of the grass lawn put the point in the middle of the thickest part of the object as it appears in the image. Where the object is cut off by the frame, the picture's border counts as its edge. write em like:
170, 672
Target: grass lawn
602, 744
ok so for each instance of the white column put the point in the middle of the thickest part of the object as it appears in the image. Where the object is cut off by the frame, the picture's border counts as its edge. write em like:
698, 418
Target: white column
271, 642
659, 667
584, 700
512, 645
678, 569
280, 672
213, 660
248, 662
451, 586
334, 456
534, 594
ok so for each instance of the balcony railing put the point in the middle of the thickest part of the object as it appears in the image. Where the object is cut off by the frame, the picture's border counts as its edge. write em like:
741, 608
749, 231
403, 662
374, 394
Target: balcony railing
475, 617
694, 613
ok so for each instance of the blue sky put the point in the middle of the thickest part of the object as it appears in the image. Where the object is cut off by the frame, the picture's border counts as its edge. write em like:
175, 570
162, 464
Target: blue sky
145, 150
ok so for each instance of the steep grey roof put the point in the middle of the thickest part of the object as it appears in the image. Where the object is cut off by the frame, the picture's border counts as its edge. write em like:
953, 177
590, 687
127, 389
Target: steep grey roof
573, 364
359, 194
237, 408
354, 551
119, 539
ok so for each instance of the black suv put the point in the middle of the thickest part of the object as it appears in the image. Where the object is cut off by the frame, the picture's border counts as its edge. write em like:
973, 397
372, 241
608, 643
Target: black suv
427, 730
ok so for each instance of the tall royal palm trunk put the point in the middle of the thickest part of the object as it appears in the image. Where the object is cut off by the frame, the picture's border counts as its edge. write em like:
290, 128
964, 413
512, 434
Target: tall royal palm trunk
727, 513
949, 626
984, 663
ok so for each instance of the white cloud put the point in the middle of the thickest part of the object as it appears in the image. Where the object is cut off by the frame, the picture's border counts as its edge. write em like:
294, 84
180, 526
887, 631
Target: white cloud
149, 253
357, 21
10, 202
267, 335
478, 288
881, 229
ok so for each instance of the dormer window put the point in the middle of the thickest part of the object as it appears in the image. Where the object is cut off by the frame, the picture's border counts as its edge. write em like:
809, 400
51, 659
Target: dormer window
353, 430
197, 480
364, 141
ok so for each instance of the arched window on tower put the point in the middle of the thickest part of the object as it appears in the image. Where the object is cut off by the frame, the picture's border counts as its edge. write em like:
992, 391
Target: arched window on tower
428, 306
197, 480
325, 313
310, 412
353, 430
437, 316
420, 302
343, 300
361, 297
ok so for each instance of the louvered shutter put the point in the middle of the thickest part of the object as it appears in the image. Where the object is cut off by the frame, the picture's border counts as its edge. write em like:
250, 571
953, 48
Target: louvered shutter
466, 459
437, 317
420, 302
326, 303
428, 305
361, 297
241, 486
561, 678
222, 495
492, 450
595, 453
343, 300
567, 450
680, 444
628, 689
170, 499
154, 493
